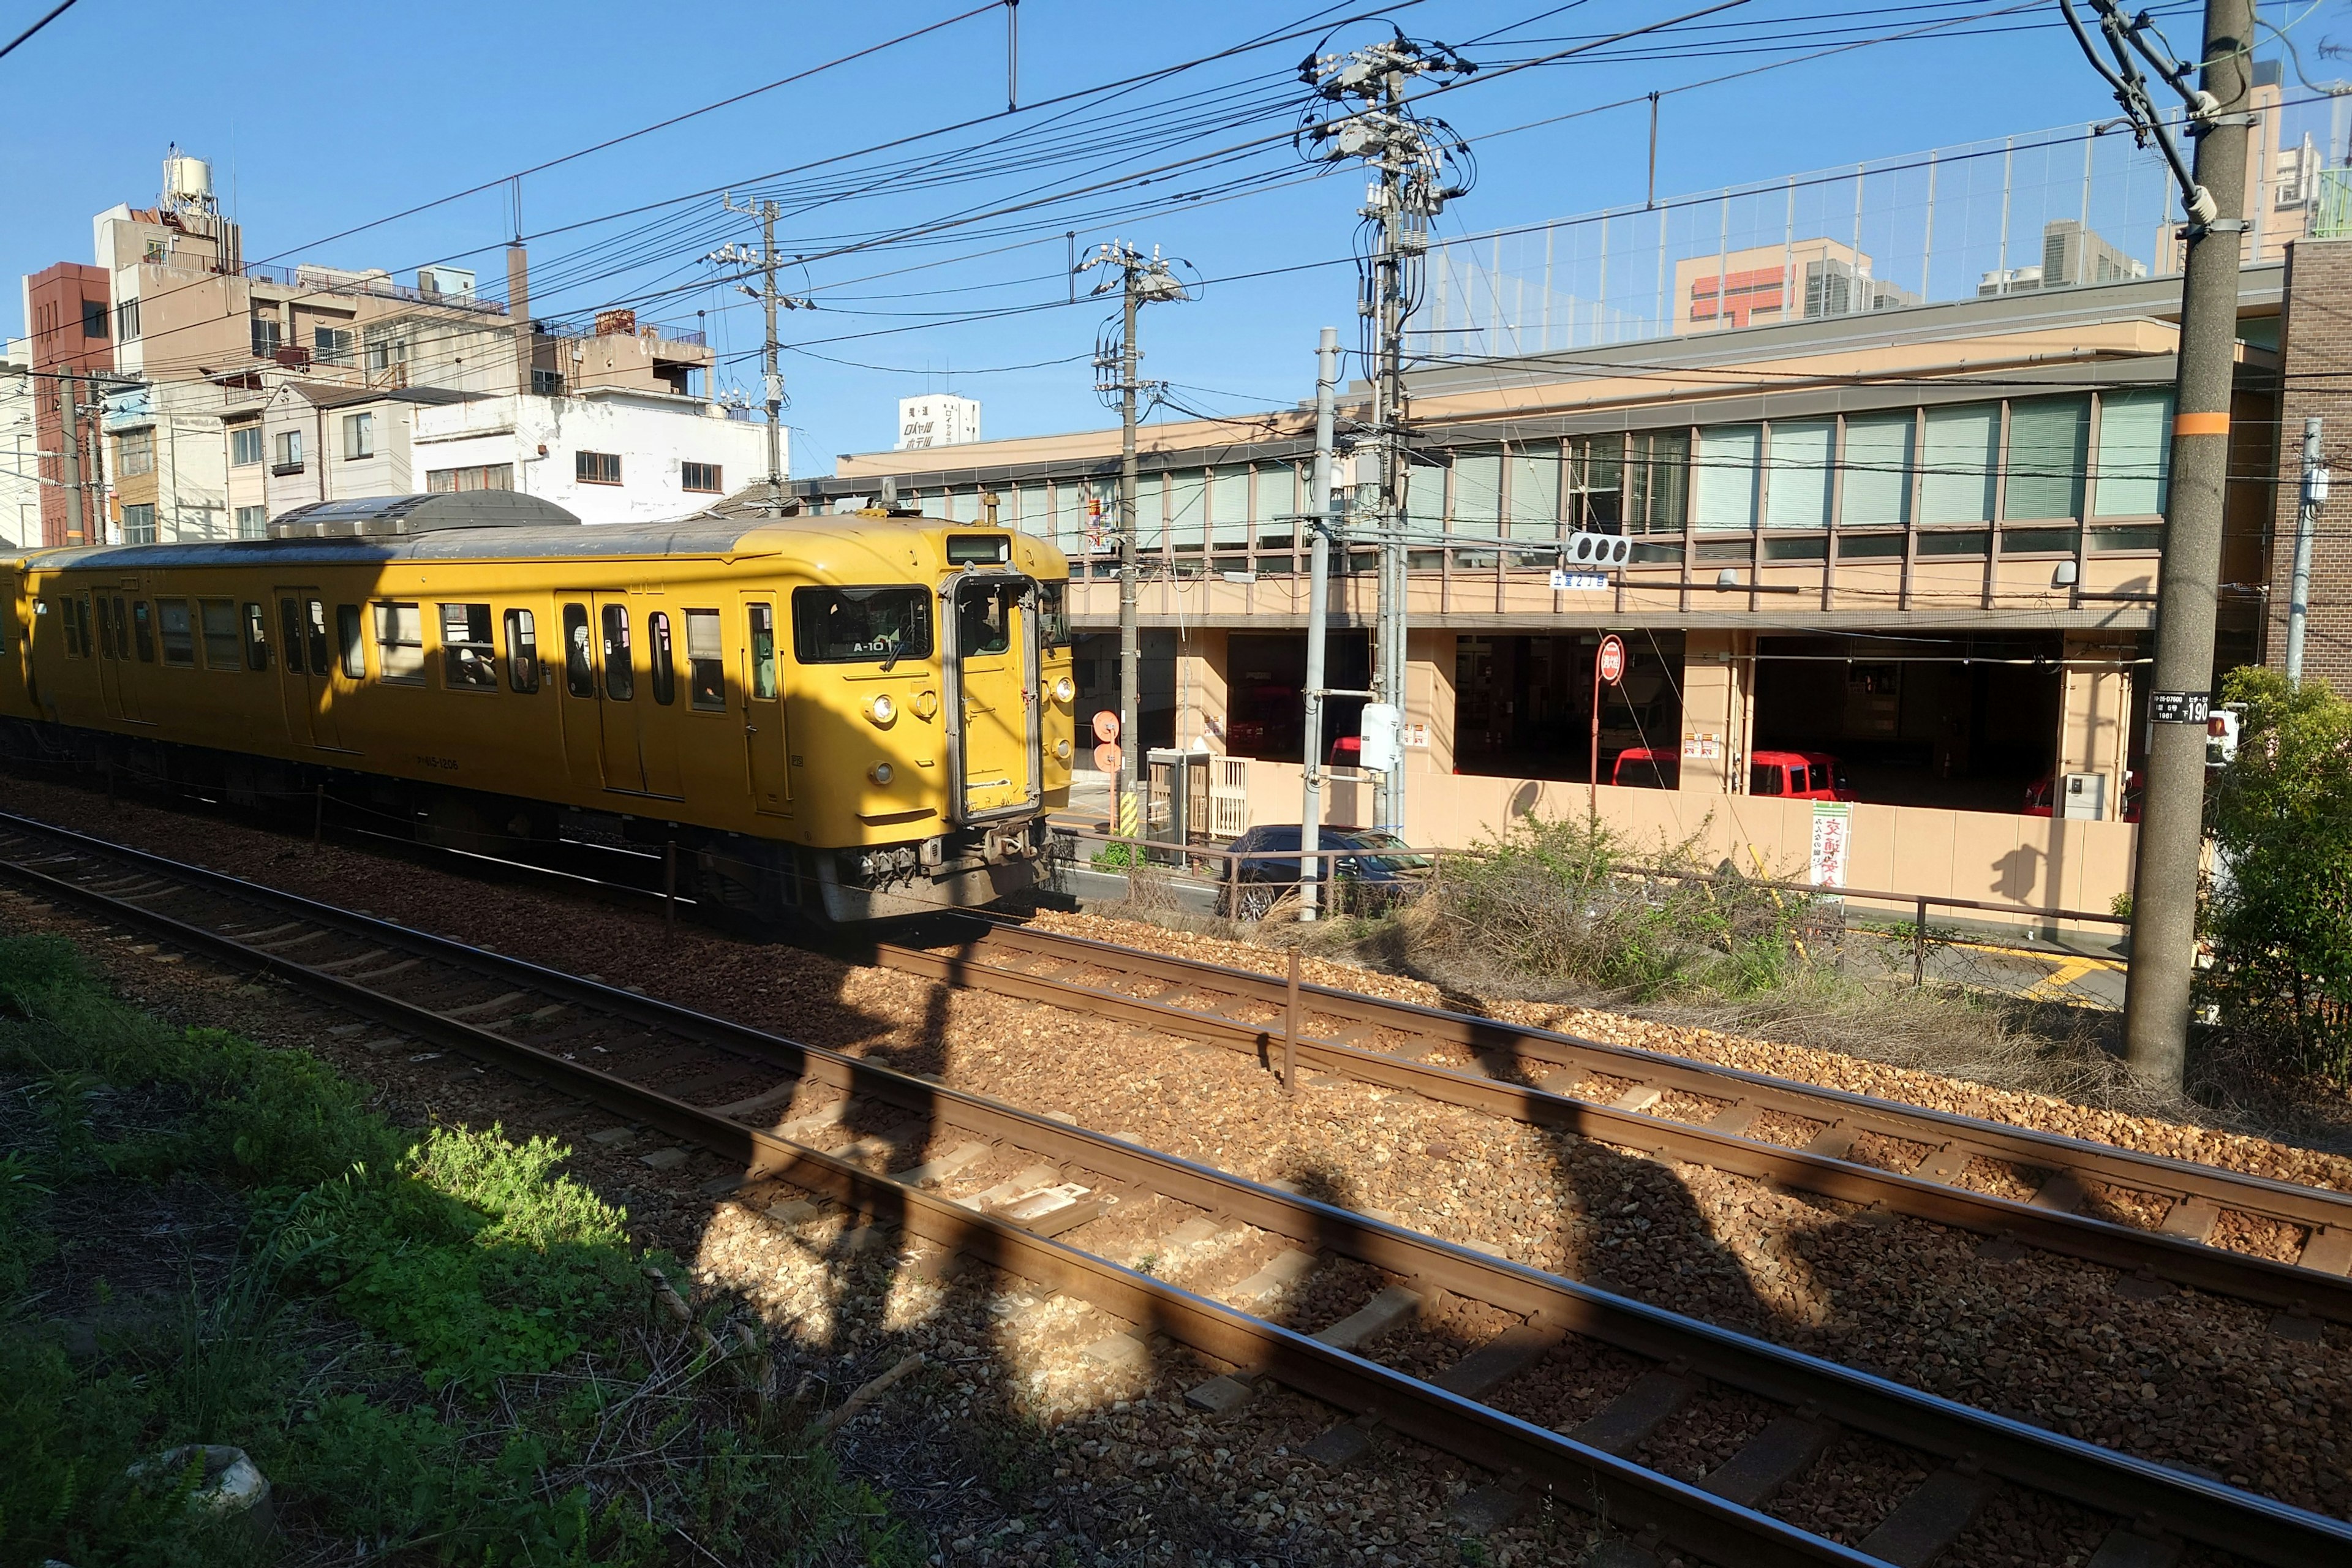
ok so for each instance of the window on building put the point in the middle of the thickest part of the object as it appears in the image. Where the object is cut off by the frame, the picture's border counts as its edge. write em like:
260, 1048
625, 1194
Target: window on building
522, 652
468, 662
400, 644
1596, 482
264, 337
244, 446
359, 435
1956, 461
126, 320
1229, 507
760, 620
287, 452
659, 658
480, 477
179, 635
2135, 453
579, 657
224, 650
138, 524
1723, 479
1797, 485
861, 626
256, 638
253, 522
597, 467
93, 319
620, 671
1532, 474
334, 346
384, 349
2049, 446
1657, 473
705, 666
135, 453
347, 631
1877, 472
703, 477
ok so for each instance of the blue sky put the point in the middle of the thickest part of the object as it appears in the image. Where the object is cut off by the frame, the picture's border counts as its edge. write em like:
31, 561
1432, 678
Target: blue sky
318, 120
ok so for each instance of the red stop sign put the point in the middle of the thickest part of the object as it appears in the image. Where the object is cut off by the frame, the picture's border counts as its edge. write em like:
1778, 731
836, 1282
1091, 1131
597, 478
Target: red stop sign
1612, 661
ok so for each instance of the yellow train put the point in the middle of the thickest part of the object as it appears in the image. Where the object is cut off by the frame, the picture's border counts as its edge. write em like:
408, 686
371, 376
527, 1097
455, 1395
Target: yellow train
842, 717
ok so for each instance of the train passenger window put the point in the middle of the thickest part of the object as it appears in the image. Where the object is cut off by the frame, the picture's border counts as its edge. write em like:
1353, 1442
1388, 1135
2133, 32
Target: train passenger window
320, 646
400, 644
81, 624
861, 626
347, 633
468, 662
179, 634
706, 667
579, 659
256, 638
289, 622
522, 650
620, 677
763, 651
658, 659
65, 619
142, 628
218, 618
105, 628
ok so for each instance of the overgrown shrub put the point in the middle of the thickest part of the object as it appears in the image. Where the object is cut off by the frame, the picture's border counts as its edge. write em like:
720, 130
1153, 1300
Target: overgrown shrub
2278, 911
1563, 902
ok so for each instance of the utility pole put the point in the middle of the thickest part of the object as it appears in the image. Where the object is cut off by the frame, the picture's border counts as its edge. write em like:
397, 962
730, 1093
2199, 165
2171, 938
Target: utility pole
2172, 812
1418, 165
1139, 283
2306, 522
1317, 521
70, 415
766, 261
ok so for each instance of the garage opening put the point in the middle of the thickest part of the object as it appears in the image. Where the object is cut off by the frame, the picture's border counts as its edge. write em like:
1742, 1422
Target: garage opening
1265, 715
1523, 705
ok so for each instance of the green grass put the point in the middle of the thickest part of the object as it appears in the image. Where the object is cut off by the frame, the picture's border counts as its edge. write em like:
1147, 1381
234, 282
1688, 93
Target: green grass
422, 1342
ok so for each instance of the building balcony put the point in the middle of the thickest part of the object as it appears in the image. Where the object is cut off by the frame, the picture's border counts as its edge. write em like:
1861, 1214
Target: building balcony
281, 470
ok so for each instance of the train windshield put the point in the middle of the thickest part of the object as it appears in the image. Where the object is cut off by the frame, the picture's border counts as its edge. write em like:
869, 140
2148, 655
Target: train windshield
861, 626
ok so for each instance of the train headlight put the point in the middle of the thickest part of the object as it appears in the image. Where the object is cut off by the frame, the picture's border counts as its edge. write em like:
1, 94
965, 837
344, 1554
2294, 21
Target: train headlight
881, 773
1064, 691
1061, 751
881, 710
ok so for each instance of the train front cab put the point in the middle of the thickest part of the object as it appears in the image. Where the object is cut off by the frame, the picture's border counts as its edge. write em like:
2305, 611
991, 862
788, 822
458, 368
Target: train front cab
999, 681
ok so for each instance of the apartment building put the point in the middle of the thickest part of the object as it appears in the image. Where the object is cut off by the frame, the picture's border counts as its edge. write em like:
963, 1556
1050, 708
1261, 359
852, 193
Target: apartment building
195, 365
20, 448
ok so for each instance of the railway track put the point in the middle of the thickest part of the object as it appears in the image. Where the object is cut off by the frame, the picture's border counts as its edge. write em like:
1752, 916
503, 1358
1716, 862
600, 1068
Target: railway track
1700, 1113
545, 1027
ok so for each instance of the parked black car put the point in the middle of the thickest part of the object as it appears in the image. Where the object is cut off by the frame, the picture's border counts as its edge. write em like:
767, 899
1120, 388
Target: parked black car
1378, 875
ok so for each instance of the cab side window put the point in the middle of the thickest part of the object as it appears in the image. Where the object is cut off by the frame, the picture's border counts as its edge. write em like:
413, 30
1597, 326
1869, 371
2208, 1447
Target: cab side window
522, 650
762, 651
65, 608
256, 638
1764, 778
658, 662
223, 648
469, 662
579, 659
706, 665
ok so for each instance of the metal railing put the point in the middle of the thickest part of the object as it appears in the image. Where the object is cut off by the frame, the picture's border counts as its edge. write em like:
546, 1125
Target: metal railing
669, 334
330, 282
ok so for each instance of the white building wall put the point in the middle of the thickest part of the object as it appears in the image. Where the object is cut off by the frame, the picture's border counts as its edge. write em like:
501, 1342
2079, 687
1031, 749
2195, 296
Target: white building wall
654, 433
20, 491
937, 419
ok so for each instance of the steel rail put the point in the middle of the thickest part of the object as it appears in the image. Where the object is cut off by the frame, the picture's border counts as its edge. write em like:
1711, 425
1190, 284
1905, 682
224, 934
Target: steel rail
2177, 1256
2148, 1494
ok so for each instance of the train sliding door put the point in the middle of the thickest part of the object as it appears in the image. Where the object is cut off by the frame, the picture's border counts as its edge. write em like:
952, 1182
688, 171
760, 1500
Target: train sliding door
305, 673
620, 691
993, 695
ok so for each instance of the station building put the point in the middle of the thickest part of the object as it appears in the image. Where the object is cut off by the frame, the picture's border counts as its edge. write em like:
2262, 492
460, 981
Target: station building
1918, 533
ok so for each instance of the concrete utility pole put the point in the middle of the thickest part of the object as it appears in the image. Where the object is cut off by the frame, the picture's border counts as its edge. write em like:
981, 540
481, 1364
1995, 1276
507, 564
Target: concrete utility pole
2307, 520
766, 261
1317, 521
69, 417
1139, 283
1414, 163
2172, 812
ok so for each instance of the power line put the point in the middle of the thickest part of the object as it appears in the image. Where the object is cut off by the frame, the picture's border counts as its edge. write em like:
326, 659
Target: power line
55, 12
